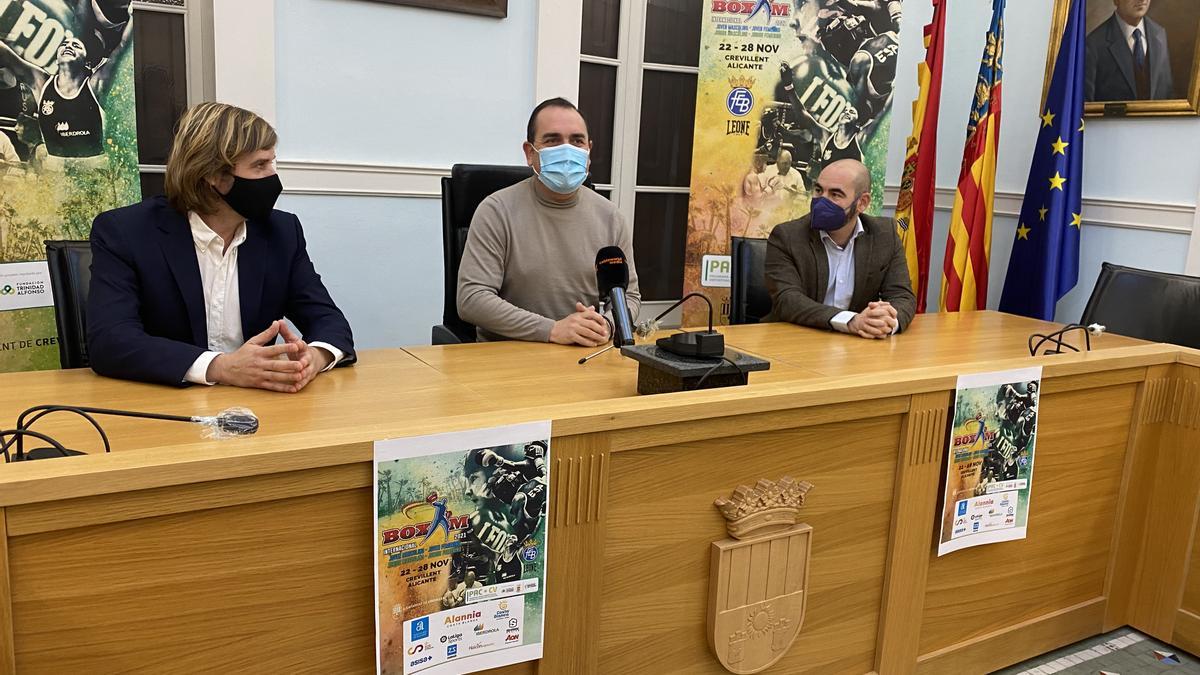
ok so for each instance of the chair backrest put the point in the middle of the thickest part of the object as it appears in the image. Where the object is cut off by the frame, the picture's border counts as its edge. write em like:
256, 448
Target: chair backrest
462, 192
70, 275
1149, 305
749, 301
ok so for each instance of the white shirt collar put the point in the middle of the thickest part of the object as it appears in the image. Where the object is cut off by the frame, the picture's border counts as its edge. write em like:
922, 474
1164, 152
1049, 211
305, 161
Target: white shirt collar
858, 229
205, 238
1127, 30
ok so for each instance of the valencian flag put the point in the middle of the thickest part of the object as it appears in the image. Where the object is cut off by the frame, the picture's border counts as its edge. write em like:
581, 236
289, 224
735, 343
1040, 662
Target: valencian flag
965, 272
1044, 264
914, 207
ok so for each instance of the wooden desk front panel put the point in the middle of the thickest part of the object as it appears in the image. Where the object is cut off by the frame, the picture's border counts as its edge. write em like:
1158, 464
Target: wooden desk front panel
284, 582
1061, 565
661, 521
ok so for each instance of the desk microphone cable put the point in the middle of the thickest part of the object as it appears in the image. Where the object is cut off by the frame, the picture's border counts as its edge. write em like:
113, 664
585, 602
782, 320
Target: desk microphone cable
1057, 339
230, 422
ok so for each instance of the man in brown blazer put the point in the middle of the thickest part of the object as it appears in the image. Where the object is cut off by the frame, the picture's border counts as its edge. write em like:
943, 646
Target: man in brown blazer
838, 268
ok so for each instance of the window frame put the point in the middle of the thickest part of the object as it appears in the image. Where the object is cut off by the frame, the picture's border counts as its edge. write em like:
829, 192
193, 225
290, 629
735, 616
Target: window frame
627, 115
198, 52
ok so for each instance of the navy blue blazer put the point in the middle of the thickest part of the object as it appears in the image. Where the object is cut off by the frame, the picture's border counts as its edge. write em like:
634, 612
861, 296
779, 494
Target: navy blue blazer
146, 318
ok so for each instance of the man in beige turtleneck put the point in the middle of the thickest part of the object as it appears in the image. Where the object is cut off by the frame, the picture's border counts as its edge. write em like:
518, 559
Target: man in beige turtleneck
528, 270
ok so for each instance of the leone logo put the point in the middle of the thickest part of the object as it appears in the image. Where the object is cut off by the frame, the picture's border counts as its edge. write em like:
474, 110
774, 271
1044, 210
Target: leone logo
748, 629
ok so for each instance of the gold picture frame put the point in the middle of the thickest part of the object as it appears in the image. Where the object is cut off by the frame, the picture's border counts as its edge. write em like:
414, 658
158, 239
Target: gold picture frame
494, 8
1185, 99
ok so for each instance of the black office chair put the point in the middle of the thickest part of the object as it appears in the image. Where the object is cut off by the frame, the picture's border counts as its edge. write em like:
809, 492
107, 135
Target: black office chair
462, 192
749, 301
70, 275
1148, 305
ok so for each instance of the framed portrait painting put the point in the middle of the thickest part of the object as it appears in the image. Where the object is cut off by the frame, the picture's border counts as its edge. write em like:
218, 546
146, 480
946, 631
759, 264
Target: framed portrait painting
1142, 57
496, 8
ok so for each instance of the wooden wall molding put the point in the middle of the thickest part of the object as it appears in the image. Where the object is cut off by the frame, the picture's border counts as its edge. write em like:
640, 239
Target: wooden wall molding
577, 488
1122, 214
996, 650
910, 543
8, 654
1162, 486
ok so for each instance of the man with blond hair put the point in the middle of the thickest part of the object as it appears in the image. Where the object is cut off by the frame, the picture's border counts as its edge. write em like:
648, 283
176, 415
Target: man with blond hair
194, 287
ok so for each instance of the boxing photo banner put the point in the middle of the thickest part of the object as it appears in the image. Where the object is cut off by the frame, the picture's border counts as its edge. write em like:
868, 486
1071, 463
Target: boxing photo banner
68, 150
784, 88
460, 549
989, 474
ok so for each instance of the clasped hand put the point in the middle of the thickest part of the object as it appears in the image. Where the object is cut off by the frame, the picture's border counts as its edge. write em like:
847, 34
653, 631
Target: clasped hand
259, 363
586, 327
878, 320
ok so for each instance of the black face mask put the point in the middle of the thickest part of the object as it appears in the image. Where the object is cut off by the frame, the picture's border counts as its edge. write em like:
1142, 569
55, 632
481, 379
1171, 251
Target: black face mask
253, 198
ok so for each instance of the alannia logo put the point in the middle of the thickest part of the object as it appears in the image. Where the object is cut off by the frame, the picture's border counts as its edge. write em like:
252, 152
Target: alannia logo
458, 618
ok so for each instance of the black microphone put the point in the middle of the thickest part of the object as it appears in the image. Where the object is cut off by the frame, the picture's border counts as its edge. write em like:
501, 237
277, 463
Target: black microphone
612, 276
230, 422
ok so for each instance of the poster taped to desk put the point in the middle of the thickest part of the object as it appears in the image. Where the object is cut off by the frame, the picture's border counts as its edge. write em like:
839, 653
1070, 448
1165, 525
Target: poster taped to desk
989, 473
460, 549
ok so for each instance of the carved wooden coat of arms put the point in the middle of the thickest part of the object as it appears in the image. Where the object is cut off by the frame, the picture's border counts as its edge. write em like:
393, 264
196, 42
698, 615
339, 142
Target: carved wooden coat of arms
759, 576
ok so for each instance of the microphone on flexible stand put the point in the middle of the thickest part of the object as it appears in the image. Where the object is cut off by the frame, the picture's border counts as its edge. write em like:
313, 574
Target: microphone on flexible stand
230, 422
697, 344
612, 278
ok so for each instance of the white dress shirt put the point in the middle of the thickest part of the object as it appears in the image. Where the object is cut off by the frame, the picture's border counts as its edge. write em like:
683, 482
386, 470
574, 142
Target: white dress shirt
1127, 30
839, 291
840, 288
222, 299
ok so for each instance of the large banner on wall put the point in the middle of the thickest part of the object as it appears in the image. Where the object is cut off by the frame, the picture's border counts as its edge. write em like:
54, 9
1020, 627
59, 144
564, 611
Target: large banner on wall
68, 150
784, 88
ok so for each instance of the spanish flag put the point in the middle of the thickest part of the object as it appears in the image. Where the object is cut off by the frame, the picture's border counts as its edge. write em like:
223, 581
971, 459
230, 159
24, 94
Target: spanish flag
965, 273
914, 206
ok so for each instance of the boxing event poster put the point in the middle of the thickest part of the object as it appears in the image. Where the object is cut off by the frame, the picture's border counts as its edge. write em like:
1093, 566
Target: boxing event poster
784, 88
68, 150
989, 475
460, 549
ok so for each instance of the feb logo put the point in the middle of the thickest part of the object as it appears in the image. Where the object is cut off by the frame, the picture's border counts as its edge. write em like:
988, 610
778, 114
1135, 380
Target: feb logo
529, 554
740, 100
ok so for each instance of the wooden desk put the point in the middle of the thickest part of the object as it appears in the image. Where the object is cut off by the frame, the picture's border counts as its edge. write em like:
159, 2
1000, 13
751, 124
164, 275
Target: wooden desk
968, 340
386, 385
254, 555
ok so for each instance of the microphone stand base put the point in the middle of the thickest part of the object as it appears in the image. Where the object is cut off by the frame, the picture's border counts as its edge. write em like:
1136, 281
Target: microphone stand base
661, 372
46, 453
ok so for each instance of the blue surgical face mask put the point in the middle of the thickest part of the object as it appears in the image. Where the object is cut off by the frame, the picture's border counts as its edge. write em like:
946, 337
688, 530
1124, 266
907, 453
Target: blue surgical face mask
828, 216
563, 167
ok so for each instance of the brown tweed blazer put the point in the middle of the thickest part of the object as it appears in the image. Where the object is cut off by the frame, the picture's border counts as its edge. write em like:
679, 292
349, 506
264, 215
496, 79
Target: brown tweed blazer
797, 270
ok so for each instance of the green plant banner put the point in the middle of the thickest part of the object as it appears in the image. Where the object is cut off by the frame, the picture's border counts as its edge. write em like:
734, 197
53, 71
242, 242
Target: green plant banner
68, 150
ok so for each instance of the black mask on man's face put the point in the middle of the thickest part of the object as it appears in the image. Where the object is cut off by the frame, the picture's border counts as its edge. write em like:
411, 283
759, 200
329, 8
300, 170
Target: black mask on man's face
253, 198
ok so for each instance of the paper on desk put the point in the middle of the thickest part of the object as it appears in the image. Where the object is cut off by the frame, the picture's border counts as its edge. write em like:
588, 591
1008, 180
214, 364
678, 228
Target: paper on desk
989, 471
460, 549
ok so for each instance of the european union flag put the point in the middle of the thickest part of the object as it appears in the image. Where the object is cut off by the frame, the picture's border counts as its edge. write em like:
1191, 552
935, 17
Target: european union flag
1045, 255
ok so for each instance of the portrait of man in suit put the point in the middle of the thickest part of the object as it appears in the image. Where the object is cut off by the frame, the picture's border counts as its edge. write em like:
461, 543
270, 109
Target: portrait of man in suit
1129, 56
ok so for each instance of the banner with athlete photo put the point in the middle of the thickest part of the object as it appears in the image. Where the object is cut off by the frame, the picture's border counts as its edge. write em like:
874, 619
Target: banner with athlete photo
785, 87
460, 549
989, 474
68, 150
